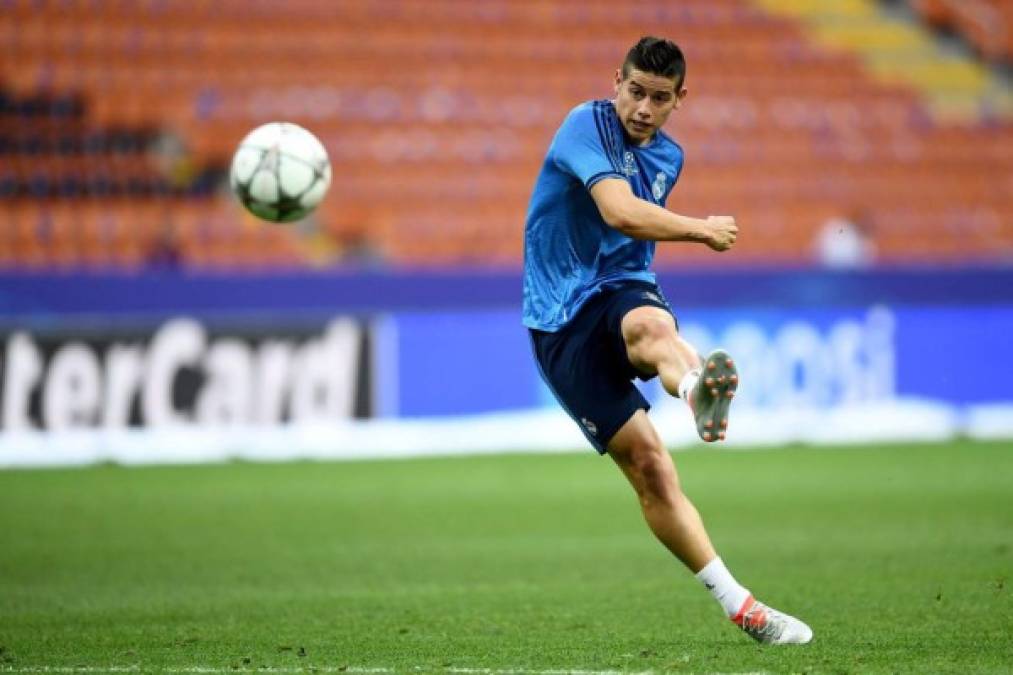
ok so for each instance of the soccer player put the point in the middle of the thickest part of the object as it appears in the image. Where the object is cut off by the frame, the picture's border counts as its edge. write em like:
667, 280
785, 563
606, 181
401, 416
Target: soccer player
598, 320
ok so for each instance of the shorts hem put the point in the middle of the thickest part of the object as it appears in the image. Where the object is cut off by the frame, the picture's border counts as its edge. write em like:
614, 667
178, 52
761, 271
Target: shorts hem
601, 447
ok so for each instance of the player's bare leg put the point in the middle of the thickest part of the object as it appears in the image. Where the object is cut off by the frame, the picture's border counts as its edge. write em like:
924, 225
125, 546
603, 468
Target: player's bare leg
654, 346
638, 451
645, 461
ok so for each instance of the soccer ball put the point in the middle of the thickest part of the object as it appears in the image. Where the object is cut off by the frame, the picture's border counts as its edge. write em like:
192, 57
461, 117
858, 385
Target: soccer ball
280, 172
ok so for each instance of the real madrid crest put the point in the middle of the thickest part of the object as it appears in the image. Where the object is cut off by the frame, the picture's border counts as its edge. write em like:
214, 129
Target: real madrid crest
658, 186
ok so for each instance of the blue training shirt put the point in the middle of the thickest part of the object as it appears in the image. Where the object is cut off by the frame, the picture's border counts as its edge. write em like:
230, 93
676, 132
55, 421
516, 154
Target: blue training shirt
570, 252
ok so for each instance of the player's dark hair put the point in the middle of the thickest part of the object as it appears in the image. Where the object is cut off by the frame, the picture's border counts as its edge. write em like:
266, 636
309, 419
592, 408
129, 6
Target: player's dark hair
657, 56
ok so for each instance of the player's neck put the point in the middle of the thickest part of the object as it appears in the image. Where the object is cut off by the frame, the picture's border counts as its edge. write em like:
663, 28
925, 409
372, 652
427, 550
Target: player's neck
638, 144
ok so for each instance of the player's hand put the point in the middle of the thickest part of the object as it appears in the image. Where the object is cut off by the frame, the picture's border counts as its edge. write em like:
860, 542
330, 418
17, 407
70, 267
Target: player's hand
721, 231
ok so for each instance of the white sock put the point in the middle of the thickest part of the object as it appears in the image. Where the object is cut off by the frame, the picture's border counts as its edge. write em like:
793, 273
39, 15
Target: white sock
723, 586
687, 383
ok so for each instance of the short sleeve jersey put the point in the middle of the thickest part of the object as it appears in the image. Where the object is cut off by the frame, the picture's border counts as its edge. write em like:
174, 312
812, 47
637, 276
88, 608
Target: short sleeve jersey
570, 252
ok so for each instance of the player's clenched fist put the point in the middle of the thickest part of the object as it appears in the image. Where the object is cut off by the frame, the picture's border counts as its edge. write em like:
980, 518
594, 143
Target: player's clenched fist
722, 231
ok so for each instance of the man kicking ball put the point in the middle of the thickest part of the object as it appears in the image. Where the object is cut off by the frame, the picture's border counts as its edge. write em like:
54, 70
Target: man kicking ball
598, 319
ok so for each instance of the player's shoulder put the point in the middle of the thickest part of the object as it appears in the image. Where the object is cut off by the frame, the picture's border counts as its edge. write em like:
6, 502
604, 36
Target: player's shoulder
589, 112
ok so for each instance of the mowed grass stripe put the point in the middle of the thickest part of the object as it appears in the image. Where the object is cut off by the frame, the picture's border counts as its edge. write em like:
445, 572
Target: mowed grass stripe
898, 556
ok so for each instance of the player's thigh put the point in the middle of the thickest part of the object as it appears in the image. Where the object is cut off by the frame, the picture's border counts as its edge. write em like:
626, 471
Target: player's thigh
599, 402
591, 386
649, 333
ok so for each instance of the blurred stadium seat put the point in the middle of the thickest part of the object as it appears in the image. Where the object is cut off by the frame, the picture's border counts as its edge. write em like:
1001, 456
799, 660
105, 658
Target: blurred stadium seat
986, 24
117, 122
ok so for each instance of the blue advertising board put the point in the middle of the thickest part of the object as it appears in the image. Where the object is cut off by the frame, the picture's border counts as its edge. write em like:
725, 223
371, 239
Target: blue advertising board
451, 343
454, 363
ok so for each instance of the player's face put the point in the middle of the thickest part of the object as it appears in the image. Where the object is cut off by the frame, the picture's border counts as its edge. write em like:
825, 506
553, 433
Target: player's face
644, 101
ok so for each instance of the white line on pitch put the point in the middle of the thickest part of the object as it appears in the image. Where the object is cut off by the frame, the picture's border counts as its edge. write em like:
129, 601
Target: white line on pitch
358, 670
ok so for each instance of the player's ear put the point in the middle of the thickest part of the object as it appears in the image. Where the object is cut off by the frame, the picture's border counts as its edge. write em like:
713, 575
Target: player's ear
619, 79
680, 96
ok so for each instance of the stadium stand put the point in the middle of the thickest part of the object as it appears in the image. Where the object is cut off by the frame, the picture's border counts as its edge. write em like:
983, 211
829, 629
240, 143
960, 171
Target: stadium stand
986, 24
119, 119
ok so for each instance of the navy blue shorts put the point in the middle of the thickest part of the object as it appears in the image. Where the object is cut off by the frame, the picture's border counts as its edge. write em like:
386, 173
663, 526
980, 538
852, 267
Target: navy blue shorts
586, 366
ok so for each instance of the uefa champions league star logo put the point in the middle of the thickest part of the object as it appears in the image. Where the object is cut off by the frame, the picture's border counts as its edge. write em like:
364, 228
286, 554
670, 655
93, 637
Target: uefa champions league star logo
658, 187
630, 164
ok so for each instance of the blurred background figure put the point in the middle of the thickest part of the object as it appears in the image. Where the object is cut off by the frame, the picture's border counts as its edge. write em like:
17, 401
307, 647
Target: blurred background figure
845, 242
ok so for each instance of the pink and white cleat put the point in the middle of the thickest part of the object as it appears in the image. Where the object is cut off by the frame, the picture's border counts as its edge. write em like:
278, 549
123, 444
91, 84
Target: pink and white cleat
770, 626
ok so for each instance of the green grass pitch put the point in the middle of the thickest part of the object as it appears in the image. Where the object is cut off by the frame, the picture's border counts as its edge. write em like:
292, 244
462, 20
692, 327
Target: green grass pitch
900, 558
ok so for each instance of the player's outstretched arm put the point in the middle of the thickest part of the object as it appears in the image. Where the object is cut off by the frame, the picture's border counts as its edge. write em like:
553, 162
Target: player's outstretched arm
640, 219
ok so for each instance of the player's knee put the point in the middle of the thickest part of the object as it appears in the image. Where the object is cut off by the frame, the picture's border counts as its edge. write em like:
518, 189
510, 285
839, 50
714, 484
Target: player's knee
642, 331
656, 480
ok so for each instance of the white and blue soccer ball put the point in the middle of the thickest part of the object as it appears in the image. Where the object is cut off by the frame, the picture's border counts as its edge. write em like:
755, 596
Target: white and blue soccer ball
280, 172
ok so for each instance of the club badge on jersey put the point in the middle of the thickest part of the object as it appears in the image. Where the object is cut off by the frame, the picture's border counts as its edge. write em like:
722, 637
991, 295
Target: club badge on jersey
658, 186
